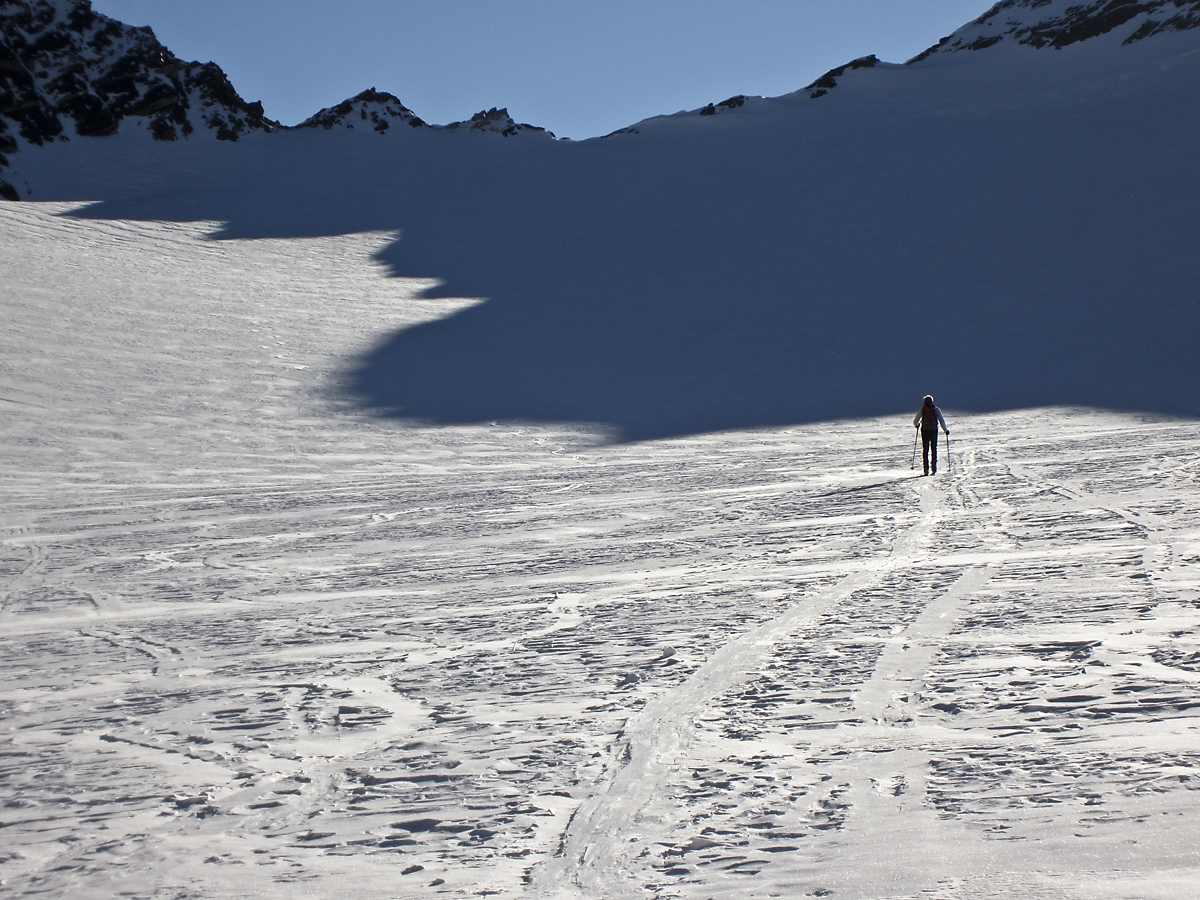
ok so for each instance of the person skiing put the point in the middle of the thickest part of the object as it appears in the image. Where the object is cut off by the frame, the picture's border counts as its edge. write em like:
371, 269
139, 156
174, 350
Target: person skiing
927, 419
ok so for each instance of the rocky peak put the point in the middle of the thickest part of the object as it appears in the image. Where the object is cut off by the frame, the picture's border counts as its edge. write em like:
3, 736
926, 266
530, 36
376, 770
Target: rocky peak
373, 110
1060, 23
65, 69
496, 121
378, 111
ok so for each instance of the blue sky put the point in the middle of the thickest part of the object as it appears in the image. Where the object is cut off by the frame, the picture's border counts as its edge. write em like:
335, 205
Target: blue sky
576, 67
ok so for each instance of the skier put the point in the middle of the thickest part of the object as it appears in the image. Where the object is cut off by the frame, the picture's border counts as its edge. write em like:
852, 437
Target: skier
927, 419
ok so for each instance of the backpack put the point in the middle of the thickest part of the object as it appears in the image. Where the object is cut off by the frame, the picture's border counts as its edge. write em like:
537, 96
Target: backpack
929, 418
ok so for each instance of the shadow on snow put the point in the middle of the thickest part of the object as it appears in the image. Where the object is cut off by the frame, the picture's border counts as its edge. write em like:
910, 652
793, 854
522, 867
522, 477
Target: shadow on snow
770, 270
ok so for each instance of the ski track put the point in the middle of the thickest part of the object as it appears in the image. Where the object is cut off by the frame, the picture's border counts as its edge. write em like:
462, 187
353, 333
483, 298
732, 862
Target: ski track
255, 643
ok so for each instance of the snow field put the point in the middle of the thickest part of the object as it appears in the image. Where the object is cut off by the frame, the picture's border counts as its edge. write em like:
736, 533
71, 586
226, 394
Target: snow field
980, 221
257, 643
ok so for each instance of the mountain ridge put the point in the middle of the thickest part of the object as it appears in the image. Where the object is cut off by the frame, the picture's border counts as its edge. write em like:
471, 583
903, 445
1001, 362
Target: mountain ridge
61, 59
1058, 24
379, 110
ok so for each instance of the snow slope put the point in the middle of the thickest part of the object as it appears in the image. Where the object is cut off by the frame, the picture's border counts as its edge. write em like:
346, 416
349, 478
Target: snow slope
628, 592
254, 642
1008, 227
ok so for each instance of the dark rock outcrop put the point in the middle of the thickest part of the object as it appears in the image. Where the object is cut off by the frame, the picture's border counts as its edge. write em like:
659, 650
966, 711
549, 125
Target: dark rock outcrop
828, 81
732, 103
496, 121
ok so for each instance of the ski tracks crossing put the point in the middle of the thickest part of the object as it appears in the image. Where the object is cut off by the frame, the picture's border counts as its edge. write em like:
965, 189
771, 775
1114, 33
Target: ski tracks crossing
1002, 704
609, 840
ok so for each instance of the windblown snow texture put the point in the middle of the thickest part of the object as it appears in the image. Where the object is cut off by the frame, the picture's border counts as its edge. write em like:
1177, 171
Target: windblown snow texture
255, 645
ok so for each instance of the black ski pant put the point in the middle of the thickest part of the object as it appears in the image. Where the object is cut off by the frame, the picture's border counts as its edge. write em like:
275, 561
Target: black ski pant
929, 449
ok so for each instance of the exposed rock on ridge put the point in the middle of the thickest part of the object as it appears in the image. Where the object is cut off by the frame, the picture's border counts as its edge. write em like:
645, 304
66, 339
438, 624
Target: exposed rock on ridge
828, 81
66, 68
378, 111
1046, 23
373, 110
496, 121
732, 103
1060, 23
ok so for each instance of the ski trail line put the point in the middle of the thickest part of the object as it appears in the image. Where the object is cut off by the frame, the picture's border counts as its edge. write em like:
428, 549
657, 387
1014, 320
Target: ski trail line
897, 842
593, 858
21, 581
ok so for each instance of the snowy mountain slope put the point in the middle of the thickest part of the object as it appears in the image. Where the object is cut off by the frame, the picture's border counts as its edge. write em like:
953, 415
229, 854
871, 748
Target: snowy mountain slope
1053, 24
256, 640
255, 643
1060, 23
976, 224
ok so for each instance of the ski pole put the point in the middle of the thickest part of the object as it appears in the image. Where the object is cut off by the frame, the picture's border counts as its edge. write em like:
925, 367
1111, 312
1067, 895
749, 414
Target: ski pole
914, 459
949, 458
